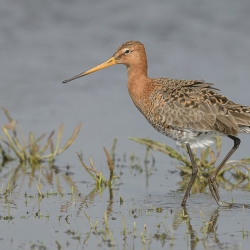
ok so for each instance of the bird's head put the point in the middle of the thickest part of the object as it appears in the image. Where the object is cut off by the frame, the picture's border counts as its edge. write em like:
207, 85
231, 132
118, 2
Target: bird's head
129, 53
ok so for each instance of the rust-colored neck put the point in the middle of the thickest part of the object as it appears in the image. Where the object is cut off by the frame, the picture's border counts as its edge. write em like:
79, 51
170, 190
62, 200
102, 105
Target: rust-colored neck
137, 82
138, 66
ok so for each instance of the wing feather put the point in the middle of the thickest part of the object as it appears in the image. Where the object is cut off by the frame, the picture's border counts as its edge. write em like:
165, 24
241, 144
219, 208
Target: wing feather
195, 105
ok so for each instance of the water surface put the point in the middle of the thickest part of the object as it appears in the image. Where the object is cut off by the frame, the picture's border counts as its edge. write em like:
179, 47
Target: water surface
44, 42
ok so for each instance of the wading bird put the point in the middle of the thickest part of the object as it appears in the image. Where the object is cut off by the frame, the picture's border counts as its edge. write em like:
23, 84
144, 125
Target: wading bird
191, 112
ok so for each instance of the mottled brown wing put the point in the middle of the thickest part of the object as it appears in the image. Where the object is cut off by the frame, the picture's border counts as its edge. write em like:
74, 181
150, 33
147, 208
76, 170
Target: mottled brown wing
194, 105
203, 118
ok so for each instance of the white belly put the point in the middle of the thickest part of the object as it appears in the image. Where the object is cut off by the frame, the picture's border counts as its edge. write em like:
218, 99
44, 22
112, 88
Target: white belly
196, 139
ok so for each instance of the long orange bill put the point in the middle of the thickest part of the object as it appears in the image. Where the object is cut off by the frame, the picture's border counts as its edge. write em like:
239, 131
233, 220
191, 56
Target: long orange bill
111, 61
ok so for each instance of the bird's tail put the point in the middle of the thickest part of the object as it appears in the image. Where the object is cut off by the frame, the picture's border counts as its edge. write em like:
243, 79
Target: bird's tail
241, 115
244, 130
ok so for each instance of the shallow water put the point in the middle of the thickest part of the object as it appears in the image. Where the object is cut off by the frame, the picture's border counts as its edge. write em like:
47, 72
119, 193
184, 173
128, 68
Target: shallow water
44, 42
150, 215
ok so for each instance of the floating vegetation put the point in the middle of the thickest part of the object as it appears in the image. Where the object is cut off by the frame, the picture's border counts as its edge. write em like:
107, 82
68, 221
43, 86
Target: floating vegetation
31, 151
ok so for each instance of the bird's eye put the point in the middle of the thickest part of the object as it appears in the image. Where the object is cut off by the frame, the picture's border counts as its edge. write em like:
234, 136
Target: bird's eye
127, 51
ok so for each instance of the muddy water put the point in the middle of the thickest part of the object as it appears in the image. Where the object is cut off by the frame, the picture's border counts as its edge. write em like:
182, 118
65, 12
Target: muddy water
43, 43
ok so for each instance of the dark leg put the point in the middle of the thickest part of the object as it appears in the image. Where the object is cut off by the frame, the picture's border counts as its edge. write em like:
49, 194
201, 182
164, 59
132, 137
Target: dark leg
194, 173
211, 180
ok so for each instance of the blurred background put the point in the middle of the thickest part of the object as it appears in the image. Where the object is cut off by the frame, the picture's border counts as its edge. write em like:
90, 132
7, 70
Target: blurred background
44, 42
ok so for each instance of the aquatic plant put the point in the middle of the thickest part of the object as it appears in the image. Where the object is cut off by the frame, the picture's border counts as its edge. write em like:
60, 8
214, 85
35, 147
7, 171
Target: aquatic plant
100, 180
239, 169
31, 151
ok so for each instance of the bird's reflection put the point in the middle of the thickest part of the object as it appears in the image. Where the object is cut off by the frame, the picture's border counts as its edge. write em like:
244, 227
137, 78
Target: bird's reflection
208, 229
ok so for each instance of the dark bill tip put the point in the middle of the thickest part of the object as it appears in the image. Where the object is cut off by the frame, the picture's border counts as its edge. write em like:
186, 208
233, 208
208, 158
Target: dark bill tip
73, 78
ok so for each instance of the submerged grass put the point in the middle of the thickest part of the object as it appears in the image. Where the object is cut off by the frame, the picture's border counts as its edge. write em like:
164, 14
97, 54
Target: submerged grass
205, 162
100, 180
33, 156
238, 169
111, 226
31, 151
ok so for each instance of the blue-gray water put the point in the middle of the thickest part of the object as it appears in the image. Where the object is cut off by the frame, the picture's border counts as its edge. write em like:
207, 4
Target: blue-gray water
43, 43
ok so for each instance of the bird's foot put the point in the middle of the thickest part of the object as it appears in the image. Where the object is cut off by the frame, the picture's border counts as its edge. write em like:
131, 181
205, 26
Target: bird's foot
224, 204
213, 186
